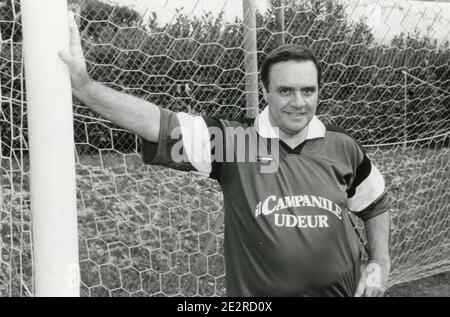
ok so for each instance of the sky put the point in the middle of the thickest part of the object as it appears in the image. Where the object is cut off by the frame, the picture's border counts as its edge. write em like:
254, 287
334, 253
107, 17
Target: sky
385, 17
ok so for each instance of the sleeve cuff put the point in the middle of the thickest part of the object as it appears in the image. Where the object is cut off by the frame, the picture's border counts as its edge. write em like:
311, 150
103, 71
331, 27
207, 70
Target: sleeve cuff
376, 208
151, 150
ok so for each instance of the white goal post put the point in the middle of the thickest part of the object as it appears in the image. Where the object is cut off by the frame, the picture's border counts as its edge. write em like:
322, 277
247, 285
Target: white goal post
52, 161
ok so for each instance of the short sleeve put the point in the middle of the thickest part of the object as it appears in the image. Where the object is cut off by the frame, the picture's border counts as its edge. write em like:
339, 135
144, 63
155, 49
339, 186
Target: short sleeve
184, 143
366, 193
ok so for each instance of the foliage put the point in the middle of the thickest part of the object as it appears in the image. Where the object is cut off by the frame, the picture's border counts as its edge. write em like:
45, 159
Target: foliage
196, 64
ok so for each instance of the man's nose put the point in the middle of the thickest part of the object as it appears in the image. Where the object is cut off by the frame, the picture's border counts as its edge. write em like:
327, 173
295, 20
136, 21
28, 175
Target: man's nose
298, 99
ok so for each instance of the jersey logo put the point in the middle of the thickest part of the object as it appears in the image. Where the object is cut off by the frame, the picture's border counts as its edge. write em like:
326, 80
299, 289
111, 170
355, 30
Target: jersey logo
309, 221
273, 204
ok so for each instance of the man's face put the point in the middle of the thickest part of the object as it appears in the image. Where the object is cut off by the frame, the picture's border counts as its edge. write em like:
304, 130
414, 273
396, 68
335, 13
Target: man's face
292, 95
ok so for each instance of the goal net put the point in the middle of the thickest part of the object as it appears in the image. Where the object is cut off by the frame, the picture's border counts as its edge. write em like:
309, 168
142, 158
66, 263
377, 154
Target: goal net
152, 231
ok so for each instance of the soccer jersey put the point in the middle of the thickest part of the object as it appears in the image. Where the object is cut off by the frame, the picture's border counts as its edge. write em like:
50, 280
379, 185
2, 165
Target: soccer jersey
287, 228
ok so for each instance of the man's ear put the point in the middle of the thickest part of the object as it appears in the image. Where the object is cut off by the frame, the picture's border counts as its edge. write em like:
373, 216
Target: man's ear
265, 93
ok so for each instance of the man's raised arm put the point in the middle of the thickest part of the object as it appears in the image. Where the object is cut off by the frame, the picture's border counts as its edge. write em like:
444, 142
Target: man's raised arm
129, 112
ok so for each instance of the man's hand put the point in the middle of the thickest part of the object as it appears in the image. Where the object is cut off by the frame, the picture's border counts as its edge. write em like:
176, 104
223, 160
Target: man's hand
75, 58
373, 279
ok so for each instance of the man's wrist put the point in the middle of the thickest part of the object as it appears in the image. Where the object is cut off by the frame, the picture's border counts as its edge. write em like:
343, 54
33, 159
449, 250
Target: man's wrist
88, 83
87, 89
384, 262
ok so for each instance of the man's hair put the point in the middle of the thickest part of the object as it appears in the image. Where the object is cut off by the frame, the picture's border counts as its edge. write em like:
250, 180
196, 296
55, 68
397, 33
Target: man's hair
284, 53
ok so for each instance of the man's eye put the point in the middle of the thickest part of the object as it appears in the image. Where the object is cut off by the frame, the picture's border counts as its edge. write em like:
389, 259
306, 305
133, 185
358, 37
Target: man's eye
285, 91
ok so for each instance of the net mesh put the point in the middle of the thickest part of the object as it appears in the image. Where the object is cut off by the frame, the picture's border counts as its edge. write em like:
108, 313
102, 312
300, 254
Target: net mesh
152, 231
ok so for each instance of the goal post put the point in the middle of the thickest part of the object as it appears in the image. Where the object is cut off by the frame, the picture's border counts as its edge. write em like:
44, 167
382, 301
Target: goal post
251, 64
51, 142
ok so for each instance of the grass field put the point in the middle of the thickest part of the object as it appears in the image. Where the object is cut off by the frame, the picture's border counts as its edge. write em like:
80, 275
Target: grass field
151, 231
433, 286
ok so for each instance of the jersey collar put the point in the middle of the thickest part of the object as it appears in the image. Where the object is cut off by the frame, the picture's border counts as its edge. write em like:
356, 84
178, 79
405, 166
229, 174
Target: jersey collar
316, 128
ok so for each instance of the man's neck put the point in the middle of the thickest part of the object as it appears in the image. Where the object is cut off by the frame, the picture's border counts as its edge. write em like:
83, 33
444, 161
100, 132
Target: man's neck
294, 140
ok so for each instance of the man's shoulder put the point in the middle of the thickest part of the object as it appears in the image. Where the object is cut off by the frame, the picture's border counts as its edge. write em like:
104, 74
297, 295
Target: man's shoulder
338, 132
210, 120
340, 136
226, 122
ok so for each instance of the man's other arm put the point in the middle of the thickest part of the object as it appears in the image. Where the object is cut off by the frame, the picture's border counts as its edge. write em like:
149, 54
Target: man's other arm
369, 201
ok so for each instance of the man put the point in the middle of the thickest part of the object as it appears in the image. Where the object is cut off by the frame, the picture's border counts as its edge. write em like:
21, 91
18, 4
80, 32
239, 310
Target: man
287, 230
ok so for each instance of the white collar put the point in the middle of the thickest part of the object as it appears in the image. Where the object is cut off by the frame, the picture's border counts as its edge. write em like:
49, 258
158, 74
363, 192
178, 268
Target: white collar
316, 128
